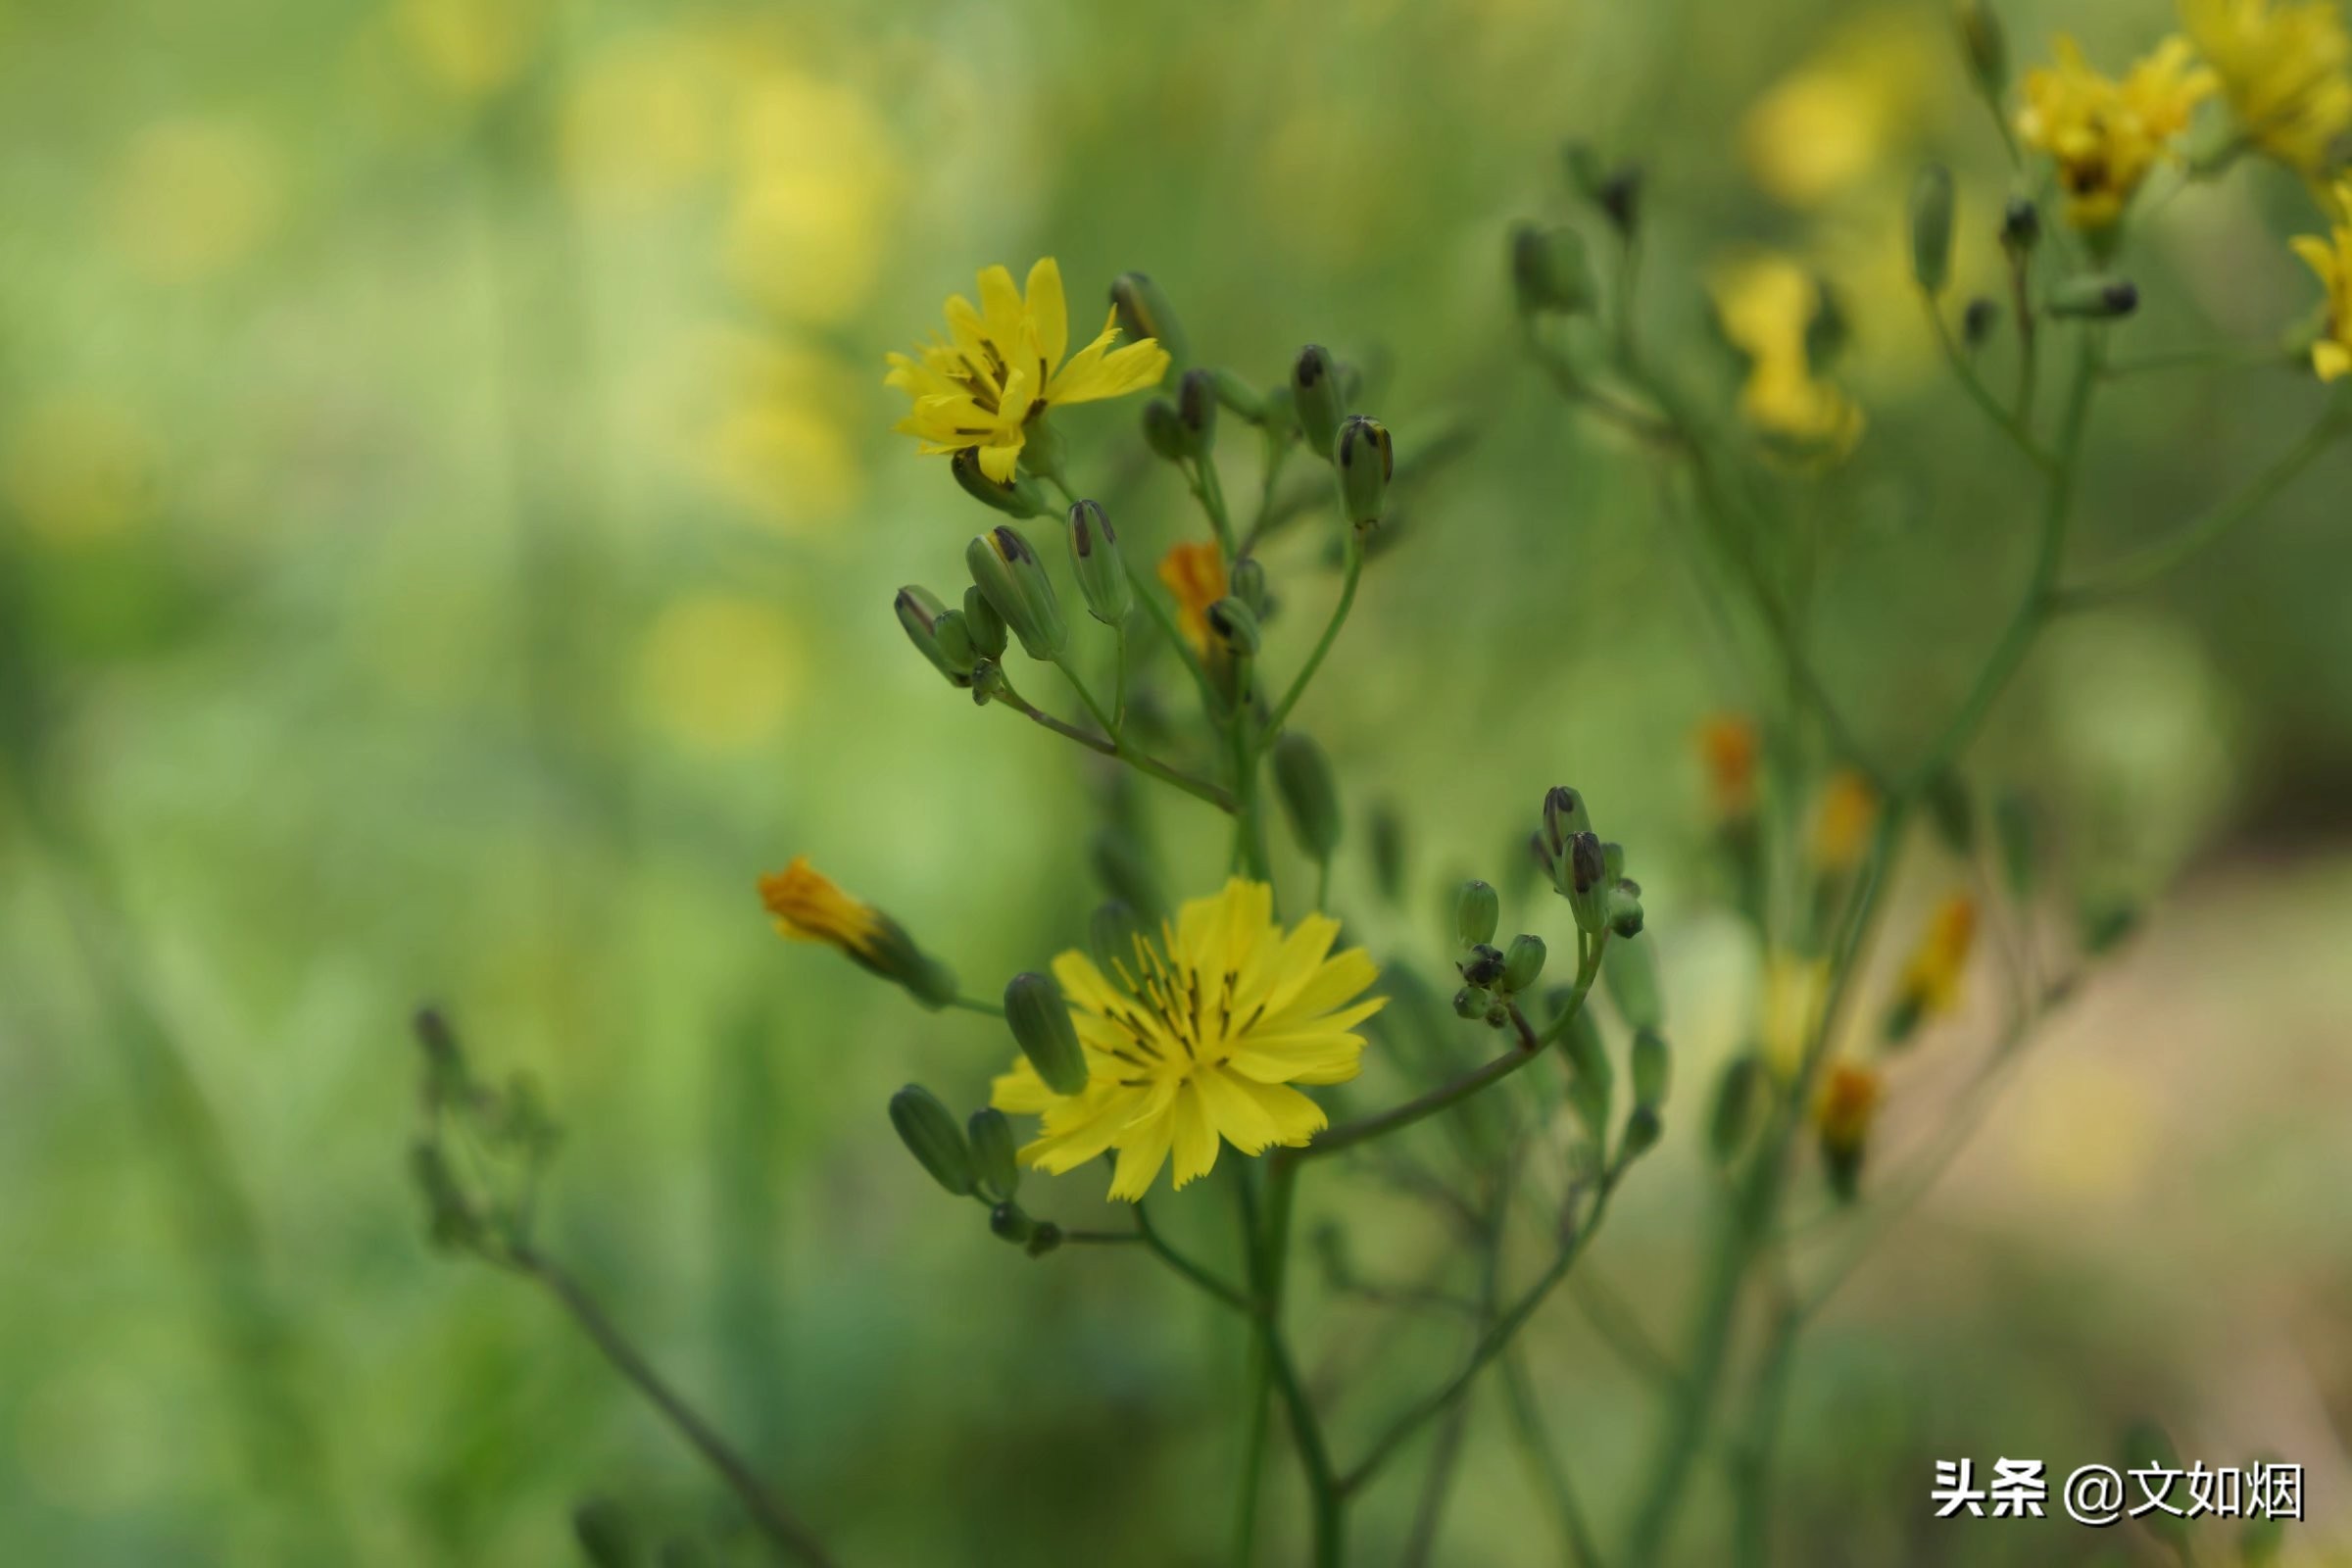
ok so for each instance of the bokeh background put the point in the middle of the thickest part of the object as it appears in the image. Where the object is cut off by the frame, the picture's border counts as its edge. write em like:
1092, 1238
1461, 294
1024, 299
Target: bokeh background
448, 516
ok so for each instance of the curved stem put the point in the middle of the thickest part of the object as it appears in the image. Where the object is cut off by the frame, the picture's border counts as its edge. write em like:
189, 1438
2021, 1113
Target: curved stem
1149, 1235
1544, 1462
1353, 571
1965, 373
1150, 767
977, 1004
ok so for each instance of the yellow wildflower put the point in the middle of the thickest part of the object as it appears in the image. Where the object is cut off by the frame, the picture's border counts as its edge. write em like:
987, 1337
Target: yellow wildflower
1931, 981
1850, 809
1849, 1103
1796, 991
1767, 306
807, 905
1195, 575
2283, 69
1728, 745
2332, 258
1201, 1043
1001, 367
2105, 134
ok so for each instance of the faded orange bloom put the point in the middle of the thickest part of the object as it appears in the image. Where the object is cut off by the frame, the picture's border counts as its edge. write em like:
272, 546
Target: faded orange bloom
808, 907
1195, 575
1728, 745
1850, 809
1849, 1103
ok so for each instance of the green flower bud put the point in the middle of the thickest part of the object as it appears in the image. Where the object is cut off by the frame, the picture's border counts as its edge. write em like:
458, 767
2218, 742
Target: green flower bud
919, 611
1240, 396
1020, 499
1044, 1238
2094, 296
932, 1137
1197, 413
1621, 197
1315, 395
1631, 971
1471, 1002
1367, 458
1625, 909
1142, 311
2020, 227
1246, 581
1653, 1068
1163, 433
1235, 625
1593, 1083
606, 1537
1550, 271
1309, 798
1523, 965
1641, 1131
954, 638
1978, 320
1011, 1222
987, 627
1100, 570
1112, 933
1988, 50
1041, 1028
1483, 966
988, 679
993, 1162
1931, 204
1587, 883
1010, 576
1739, 1097
1387, 852
1477, 910
1564, 816
1612, 863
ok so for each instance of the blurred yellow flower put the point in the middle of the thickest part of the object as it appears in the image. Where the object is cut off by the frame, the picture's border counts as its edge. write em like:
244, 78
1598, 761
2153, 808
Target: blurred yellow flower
1848, 1105
1849, 810
1796, 989
809, 907
2105, 136
1767, 304
2283, 72
1727, 746
2332, 258
1001, 367
816, 179
1850, 110
641, 119
719, 672
1194, 577
77, 468
191, 197
471, 48
1201, 1043
767, 424
1931, 981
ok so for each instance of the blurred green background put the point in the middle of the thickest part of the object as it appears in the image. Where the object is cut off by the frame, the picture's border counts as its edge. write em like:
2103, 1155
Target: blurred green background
449, 513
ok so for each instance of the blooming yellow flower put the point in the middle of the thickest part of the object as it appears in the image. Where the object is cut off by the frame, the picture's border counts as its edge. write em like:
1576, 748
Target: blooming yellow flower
1931, 981
2105, 134
1202, 1042
2283, 69
1728, 745
1001, 367
1849, 1103
2332, 258
1767, 306
1850, 809
1195, 575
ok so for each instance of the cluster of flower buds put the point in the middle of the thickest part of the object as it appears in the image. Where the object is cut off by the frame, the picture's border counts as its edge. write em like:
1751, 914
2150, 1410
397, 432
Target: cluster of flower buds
976, 1160
504, 1127
1586, 871
1491, 977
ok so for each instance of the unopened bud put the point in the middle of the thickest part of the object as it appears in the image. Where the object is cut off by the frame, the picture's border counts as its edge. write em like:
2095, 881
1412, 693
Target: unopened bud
1197, 413
1977, 322
954, 638
1470, 1001
1044, 1238
1477, 910
1008, 573
1621, 197
1246, 581
1931, 204
986, 627
931, 1134
2021, 226
1564, 816
1095, 558
1653, 1068
1642, 1129
1041, 1026
2095, 297
1315, 396
1988, 50
1367, 460
1550, 271
1020, 499
1011, 1222
993, 1162
1309, 798
1142, 311
1235, 625
919, 611
1626, 917
1120, 866
1523, 965
1587, 884
1483, 966
1163, 433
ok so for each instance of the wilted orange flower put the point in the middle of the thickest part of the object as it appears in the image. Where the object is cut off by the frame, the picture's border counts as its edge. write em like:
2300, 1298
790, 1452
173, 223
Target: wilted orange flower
809, 907
1932, 979
1195, 575
1728, 745
1849, 1103
1850, 808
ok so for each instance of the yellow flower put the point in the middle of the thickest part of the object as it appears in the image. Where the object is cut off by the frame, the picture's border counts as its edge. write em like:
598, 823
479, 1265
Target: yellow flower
1931, 981
2332, 258
1767, 306
1795, 992
2283, 69
1201, 1042
1849, 1103
1195, 575
1850, 809
1001, 367
1728, 745
2105, 136
809, 907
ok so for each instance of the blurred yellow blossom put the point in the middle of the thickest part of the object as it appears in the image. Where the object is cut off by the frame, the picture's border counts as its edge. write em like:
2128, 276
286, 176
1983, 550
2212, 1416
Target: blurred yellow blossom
77, 469
193, 196
1201, 1043
2105, 136
1728, 747
1841, 824
1194, 577
2332, 258
721, 672
1767, 304
771, 428
1931, 981
2282, 66
816, 179
471, 48
1852, 110
644, 119
1795, 991
1001, 367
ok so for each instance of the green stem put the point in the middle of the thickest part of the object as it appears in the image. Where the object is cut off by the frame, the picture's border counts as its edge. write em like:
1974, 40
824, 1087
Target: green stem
1544, 1462
1150, 767
1211, 491
1325, 1493
1258, 1403
977, 1004
1148, 1234
1353, 571
2009, 424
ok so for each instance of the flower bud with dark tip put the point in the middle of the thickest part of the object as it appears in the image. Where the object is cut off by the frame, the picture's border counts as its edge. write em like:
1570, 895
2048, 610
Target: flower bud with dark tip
992, 1160
1550, 271
1621, 197
1309, 798
1007, 570
1471, 1002
1096, 561
1367, 460
1483, 966
1246, 581
1020, 499
2095, 297
988, 680
1978, 320
1931, 205
1316, 397
1235, 625
1626, 917
986, 627
1523, 964
1041, 1026
1587, 883
1197, 413
919, 611
1009, 1221
1142, 311
1044, 1238
2020, 227
1641, 1131
1477, 910
1163, 431
1564, 816
932, 1137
